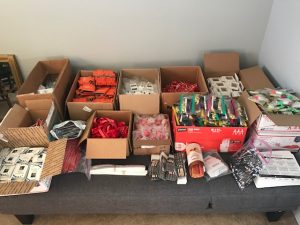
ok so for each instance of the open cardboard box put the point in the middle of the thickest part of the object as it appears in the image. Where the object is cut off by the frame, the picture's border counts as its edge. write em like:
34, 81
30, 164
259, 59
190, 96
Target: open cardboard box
35, 137
223, 139
17, 124
83, 110
108, 148
140, 104
228, 63
192, 74
57, 69
148, 147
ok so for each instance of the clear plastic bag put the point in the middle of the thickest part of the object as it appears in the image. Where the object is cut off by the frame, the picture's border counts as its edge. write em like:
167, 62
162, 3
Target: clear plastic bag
249, 161
68, 129
137, 85
215, 166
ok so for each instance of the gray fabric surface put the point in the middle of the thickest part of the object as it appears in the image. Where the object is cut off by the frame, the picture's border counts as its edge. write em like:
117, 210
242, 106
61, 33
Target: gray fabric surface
73, 193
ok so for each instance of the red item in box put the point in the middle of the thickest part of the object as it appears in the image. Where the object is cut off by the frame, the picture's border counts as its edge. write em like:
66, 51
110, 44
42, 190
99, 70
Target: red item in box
179, 86
104, 127
222, 139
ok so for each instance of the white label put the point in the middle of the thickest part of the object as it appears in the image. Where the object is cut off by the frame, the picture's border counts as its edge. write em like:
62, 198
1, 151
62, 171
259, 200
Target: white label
87, 109
194, 153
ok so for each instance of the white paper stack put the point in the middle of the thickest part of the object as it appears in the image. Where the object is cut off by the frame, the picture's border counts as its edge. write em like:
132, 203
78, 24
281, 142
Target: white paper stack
283, 170
126, 170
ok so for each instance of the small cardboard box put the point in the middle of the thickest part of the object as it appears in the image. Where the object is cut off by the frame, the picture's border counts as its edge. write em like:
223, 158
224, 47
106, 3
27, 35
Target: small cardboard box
55, 68
192, 74
52, 165
108, 148
140, 104
17, 124
148, 147
83, 110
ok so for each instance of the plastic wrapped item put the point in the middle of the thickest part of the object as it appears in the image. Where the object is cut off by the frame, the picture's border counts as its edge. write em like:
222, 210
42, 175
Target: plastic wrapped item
104, 127
100, 87
195, 160
138, 86
151, 127
215, 166
68, 129
276, 101
229, 86
180, 160
209, 110
247, 163
162, 167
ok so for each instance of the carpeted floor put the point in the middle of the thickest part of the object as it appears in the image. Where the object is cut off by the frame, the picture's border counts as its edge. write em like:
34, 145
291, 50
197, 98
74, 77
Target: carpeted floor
202, 219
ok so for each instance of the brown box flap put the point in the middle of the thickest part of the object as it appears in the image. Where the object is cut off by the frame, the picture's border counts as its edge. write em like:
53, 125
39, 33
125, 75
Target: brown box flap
138, 143
86, 132
110, 148
219, 64
17, 116
25, 136
254, 78
54, 158
17, 188
252, 109
140, 103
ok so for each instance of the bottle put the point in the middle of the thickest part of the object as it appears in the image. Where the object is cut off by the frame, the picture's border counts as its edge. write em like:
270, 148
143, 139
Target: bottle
195, 160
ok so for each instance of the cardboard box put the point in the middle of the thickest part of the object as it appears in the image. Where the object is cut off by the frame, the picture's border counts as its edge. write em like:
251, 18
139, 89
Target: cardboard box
108, 148
52, 165
140, 104
61, 69
148, 147
269, 122
17, 124
277, 141
83, 110
223, 139
192, 74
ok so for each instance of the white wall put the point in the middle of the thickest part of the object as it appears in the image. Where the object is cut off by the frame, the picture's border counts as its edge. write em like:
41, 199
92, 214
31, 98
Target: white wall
280, 52
119, 33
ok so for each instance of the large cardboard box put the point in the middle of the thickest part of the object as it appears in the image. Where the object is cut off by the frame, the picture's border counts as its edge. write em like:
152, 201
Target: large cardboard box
17, 137
17, 124
149, 147
83, 110
59, 69
223, 139
140, 104
192, 74
108, 148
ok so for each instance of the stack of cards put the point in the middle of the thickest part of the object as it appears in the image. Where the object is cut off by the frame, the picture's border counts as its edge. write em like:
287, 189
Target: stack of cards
20, 164
229, 86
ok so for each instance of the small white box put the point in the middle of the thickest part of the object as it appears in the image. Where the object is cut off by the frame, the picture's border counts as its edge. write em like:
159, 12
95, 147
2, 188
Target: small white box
34, 173
20, 172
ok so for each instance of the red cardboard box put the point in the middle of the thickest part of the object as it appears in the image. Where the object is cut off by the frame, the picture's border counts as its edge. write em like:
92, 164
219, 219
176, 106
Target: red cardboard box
223, 139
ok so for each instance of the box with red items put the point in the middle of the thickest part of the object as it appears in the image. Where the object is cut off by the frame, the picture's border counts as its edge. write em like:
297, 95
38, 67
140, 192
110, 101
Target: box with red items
151, 134
108, 135
92, 90
177, 80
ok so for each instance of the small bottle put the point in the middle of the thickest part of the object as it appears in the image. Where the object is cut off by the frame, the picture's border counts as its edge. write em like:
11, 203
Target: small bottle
195, 160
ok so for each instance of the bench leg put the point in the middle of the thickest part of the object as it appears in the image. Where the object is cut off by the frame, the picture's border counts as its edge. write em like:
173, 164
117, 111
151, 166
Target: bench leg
25, 219
274, 216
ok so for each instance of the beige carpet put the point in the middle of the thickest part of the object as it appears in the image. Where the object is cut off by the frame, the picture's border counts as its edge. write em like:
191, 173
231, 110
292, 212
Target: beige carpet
205, 219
